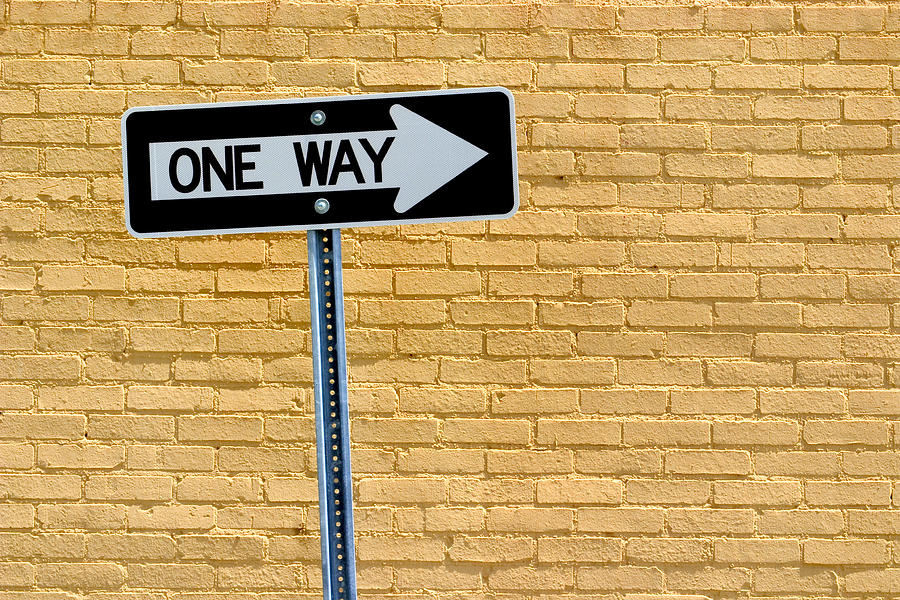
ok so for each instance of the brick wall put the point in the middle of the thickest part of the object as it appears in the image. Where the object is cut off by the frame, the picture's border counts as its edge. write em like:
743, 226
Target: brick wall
673, 374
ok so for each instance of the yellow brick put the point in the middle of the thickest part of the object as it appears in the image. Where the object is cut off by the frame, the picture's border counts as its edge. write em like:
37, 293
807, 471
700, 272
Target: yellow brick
219, 489
847, 493
797, 107
578, 17
623, 401
438, 578
749, 18
427, 460
202, 547
744, 373
376, 75
44, 130
558, 432
873, 402
618, 106
753, 138
19, 159
757, 551
797, 226
835, 18
212, 14
707, 165
402, 17
857, 552
756, 196
839, 256
171, 576
163, 458
719, 108
619, 577
782, 314
625, 47
548, 45
661, 17
762, 493
543, 578
483, 17
802, 286
490, 549
548, 163
758, 77
788, 579
403, 491
719, 401
763, 255
843, 137
798, 464
622, 165
258, 43
17, 338
683, 76
318, 73
428, 45
701, 48
619, 462
528, 519
177, 43
131, 427
674, 254
128, 12
786, 522
331, 45
846, 77
67, 41
619, 344
16, 397
96, 576
442, 401
17, 101
576, 76
509, 74
250, 73
50, 12
312, 14
624, 285
486, 431
620, 520
502, 283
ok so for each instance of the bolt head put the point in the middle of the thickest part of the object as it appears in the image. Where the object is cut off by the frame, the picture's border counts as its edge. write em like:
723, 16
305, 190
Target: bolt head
321, 206
317, 117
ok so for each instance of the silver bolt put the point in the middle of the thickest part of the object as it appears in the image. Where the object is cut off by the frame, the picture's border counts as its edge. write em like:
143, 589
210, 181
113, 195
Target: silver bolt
317, 117
321, 206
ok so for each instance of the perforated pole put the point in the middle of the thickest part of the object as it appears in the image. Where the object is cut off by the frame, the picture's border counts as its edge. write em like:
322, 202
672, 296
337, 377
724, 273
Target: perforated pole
326, 297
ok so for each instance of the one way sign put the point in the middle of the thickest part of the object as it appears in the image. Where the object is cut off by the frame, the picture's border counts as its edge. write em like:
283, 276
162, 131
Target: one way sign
320, 163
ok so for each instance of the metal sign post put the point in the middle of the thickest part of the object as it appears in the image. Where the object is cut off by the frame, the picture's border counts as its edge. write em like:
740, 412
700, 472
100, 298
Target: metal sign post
326, 298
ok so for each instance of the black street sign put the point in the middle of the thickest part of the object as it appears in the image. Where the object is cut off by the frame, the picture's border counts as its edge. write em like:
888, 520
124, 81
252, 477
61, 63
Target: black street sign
320, 163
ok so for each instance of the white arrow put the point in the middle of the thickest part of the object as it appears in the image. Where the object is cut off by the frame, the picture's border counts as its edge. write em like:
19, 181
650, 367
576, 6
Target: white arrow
420, 158
424, 157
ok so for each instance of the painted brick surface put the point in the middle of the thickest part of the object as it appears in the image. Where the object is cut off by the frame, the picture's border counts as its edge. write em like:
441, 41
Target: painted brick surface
675, 374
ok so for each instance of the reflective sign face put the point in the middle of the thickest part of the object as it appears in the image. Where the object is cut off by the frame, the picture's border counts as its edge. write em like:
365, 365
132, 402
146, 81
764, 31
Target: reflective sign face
320, 163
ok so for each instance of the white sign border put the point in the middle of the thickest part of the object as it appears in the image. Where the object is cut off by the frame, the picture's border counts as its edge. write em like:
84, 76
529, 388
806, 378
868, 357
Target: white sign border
340, 225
